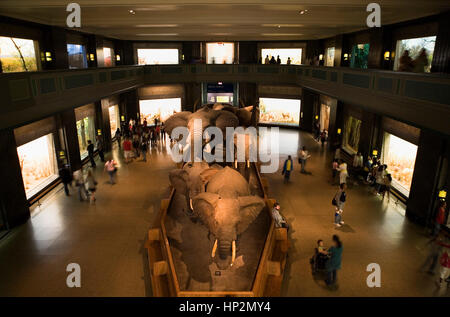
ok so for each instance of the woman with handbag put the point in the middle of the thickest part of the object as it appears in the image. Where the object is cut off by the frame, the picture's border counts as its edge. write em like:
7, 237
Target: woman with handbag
111, 169
338, 202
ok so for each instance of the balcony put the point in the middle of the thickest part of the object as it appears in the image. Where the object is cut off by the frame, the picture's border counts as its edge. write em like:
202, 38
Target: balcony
419, 99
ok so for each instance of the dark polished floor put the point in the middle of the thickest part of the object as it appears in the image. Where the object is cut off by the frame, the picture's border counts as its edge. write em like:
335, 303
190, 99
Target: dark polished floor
107, 239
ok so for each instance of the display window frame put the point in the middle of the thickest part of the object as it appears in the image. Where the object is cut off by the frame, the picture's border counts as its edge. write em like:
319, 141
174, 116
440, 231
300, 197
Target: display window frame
146, 103
209, 59
36, 146
116, 117
397, 184
352, 134
264, 113
91, 136
158, 49
112, 63
275, 51
37, 56
329, 57
399, 50
83, 54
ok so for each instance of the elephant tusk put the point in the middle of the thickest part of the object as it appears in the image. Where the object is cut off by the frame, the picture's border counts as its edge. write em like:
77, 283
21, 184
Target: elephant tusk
235, 164
248, 163
213, 254
190, 204
233, 252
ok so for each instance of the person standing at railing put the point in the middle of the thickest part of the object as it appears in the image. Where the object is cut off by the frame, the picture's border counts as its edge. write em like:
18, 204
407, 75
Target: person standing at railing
267, 60
288, 61
278, 60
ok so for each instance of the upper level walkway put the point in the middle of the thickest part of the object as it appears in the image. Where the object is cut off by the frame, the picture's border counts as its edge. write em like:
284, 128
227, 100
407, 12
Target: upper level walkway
419, 99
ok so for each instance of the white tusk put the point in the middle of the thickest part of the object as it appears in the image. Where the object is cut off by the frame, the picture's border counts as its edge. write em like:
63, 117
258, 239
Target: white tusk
233, 252
235, 164
248, 163
190, 204
213, 254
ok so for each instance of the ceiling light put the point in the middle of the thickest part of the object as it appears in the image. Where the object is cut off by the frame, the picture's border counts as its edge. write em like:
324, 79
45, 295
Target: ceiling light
303, 11
132, 11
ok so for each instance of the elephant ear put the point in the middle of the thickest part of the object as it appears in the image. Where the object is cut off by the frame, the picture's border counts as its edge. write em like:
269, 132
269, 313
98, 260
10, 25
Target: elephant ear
250, 207
226, 119
204, 207
207, 174
179, 119
178, 179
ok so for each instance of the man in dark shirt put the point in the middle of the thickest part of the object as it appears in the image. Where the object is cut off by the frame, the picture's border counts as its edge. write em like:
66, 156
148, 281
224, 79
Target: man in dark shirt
66, 177
90, 149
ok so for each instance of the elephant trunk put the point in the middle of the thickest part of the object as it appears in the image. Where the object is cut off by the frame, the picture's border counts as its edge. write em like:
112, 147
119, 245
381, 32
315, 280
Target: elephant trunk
224, 248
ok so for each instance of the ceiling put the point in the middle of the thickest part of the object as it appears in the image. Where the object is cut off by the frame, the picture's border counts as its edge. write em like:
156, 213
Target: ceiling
174, 20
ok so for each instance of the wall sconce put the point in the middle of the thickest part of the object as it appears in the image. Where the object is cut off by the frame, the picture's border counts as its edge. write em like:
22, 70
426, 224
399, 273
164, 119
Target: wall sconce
339, 131
317, 117
345, 57
42, 57
320, 57
301, 115
387, 55
122, 118
118, 57
442, 194
91, 57
375, 152
99, 132
392, 55
182, 57
48, 56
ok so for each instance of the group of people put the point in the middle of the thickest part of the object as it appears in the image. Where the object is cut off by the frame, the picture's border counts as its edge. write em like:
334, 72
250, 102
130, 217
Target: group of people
417, 65
138, 138
273, 61
85, 181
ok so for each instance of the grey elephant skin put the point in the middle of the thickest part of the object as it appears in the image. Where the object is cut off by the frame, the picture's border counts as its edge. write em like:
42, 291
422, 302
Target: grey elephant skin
227, 208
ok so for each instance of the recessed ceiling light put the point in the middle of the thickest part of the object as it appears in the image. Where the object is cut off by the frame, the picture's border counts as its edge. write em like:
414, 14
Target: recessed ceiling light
132, 11
303, 11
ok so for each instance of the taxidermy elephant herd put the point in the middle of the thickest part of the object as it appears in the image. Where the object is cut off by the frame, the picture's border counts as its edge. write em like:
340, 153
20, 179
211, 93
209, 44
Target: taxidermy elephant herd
217, 195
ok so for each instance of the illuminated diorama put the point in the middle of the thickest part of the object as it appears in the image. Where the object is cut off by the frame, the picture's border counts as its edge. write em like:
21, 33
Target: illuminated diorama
279, 111
86, 132
295, 55
215, 235
38, 164
399, 156
157, 56
160, 109
220, 53
414, 47
108, 59
17, 55
77, 56
114, 119
351, 134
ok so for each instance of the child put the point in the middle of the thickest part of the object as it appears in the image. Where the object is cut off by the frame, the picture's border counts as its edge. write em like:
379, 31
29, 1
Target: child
320, 248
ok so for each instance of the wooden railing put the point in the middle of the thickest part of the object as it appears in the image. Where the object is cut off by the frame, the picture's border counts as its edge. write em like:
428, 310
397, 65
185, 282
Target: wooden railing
269, 273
